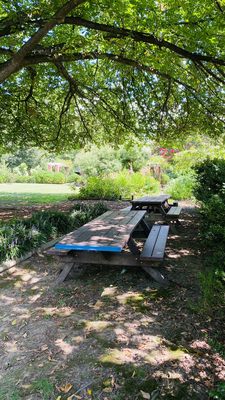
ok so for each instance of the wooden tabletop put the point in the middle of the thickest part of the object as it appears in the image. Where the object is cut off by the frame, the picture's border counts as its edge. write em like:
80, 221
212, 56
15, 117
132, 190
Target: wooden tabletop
151, 200
109, 232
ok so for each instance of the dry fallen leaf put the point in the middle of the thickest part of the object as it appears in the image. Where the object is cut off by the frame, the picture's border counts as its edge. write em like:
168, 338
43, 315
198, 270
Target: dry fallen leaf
145, 395
107, 390
66, 388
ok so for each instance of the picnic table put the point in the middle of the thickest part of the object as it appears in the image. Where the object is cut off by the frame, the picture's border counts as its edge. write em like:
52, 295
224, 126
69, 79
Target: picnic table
109, 240
158, 204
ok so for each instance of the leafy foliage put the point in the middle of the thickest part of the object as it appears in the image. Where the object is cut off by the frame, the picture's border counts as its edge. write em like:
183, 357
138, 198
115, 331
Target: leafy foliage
98, 161
49, 177
122, 185
210, 179
136, 184
100, 188
86, 70
219, 392
181, 188
210, 191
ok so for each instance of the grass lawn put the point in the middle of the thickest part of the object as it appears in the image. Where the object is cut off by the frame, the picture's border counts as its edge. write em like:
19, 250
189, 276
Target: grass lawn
32, 193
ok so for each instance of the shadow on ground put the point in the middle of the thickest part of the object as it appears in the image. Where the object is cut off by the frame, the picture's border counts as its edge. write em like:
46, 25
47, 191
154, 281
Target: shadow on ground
112, 334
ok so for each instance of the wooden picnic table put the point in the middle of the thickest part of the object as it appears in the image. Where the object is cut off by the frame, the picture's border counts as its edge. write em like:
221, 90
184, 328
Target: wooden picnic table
109, 240
158, 204
150, 202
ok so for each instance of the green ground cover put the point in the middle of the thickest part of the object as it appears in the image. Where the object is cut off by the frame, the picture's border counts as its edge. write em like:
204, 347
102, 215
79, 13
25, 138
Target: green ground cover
32, 193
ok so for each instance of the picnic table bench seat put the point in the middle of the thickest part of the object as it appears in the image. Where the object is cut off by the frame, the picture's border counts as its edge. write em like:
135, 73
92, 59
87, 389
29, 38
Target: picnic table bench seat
155, 244
173, 214
174, 211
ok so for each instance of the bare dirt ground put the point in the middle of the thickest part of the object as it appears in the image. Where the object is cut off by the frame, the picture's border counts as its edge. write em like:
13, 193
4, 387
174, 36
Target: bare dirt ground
112, 334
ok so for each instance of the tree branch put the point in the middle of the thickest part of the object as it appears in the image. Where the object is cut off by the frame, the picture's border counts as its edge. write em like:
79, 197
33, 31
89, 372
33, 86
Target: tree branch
143, 37
14, 64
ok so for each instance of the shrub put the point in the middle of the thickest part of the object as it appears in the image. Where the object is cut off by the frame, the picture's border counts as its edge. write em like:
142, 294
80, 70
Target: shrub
98, 161
136, 184
49, 177
83, 213
5, 175
182, 187
100, 188
212, 290
210, 191
73, 178
218, 393
210, 179
164, 179
123, 184
23, 179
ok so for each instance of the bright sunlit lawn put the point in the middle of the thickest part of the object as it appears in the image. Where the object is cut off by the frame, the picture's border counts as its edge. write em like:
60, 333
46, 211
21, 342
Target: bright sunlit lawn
33, 193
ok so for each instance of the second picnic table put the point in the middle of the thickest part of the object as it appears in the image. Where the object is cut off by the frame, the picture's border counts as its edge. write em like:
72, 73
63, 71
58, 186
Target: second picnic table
159, 204
150, 202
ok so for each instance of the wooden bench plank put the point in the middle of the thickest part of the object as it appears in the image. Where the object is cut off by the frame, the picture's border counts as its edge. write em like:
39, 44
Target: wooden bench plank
109, 232
160, 244
155, 244
174, 211
150, 242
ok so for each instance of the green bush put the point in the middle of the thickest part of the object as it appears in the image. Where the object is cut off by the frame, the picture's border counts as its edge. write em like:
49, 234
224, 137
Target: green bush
213, 221
164, 179
82, 213
20, 236
210, 179
5, 175
100, 188
23, 179
212, 290
210, 191
98, 161
136, 184
181, 188
49, 177
123, 184
73, 178
218, 393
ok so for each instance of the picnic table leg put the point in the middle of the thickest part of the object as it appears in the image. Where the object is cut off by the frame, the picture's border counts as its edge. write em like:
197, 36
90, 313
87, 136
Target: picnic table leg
156, 275
71, 269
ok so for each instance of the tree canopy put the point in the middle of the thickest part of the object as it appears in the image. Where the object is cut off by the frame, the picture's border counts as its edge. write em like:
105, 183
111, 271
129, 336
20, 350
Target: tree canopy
80, 70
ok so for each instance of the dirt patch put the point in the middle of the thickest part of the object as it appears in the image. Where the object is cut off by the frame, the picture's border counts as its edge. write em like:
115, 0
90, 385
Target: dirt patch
112, 334
10, 212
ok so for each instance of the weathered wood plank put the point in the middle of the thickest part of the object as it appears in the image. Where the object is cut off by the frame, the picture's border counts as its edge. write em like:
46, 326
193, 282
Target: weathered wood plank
150, 242
125, 259
64, 273
174, 211
155, 244
160, 244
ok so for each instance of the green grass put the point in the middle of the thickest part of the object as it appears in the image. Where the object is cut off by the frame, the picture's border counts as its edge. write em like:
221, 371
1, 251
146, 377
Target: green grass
32, 193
